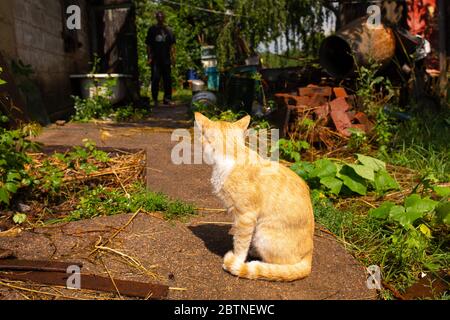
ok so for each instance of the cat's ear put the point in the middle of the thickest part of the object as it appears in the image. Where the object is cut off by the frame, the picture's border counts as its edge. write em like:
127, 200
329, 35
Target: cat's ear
243, 123
201, 120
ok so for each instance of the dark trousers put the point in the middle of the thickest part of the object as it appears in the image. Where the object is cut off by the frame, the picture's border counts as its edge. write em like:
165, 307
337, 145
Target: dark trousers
161, 70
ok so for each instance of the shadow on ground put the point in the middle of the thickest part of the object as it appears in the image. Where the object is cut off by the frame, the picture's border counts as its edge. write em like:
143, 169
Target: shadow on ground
215, 237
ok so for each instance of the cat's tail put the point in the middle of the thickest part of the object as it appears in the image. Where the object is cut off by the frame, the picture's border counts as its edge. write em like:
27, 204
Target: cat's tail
266, 271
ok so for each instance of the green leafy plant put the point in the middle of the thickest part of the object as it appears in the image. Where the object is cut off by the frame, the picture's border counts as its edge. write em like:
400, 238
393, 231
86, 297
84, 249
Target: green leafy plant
290, 150
206, 109
419, 231
128, 113
358, 141
417, 211
1, 80
216, 114
96, 107
260, 123
79, 158
13, 162
228, 115
384, 131
124, 113
19, 218
49, 177
272, 105
374, 90
345, 178
99, 104
402, 253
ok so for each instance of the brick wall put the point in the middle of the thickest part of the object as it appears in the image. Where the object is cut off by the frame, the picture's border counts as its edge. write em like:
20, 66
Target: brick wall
37, 40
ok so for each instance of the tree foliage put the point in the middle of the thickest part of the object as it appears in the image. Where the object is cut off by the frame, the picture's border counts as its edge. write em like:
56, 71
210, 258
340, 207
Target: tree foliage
188, 48
223, 22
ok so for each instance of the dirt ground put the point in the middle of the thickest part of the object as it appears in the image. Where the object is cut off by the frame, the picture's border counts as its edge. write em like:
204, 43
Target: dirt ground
186, 255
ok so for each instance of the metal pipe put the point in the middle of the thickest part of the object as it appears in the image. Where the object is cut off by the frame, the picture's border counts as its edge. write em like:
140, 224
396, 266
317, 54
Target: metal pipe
357, 44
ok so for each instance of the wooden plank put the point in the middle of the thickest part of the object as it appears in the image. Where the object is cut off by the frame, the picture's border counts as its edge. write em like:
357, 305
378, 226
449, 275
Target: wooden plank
93, 282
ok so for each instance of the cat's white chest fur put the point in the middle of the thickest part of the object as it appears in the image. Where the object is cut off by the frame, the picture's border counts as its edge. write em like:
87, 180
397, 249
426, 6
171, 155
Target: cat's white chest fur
222, 168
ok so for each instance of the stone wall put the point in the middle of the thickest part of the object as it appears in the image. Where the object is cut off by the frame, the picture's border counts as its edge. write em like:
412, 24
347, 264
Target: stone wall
32, 31
7, 31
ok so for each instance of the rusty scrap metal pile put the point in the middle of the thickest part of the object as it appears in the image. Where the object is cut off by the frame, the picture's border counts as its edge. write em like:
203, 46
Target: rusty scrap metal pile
321, 114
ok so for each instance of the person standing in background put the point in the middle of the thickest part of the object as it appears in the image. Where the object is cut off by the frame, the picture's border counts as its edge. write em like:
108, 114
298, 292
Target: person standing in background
161, 55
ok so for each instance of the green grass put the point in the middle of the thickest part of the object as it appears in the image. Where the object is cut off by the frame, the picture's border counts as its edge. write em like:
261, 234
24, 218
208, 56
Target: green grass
180, 95
424, 158
101, 201
401, 254
423, 144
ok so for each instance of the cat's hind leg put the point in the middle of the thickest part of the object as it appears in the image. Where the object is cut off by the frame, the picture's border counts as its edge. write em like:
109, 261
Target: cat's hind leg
281, 247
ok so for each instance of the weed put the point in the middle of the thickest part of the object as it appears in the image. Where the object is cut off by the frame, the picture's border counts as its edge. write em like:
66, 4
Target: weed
402, 254
216, 114
290, 150
417, 211
13, 162
206, 109
49, 177
358, 141
128, 113
229, 116
19, 218
79, 158
384, 130
96, 107
102, 201
374, 90
420, 235
260, 124
341, 178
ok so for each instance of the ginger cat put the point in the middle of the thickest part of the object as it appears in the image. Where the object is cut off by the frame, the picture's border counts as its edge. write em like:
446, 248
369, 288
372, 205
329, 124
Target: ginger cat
270, 204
